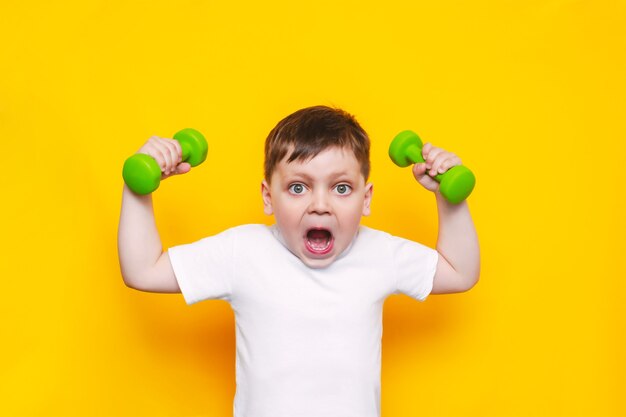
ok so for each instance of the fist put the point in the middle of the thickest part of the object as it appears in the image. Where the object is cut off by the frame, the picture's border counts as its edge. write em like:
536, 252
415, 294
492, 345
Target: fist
437, 162
168, 154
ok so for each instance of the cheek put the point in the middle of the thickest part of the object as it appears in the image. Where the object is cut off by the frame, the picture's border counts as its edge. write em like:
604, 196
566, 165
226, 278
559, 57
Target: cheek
351, 213
287, 214
285, 218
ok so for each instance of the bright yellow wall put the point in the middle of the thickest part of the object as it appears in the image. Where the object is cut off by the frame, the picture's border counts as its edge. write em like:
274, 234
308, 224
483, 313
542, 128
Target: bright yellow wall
530, 94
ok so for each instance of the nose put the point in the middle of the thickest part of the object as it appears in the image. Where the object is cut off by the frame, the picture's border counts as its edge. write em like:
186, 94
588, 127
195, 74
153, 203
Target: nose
319, 203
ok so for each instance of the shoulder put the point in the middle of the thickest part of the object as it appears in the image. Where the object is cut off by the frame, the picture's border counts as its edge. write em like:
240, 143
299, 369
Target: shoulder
370, 233
234, 234
367, 233
393, 245
245, 230
249, 229
375, 243
373, 237
250, 234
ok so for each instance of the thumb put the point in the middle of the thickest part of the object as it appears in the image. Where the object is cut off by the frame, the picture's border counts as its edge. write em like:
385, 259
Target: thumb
419, 170
182, 168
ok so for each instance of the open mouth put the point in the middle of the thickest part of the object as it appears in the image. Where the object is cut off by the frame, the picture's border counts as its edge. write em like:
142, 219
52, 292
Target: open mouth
319, 241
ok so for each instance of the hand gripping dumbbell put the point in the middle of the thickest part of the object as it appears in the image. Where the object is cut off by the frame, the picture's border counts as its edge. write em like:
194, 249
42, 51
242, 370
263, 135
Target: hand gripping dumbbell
142, 173
456, 184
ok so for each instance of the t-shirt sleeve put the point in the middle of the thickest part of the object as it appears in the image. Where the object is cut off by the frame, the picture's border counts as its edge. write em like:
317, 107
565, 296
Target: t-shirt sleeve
204, 269
414, 266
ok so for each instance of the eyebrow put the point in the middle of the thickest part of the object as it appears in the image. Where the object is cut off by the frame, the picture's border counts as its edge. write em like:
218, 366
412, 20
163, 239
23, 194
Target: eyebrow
332, 175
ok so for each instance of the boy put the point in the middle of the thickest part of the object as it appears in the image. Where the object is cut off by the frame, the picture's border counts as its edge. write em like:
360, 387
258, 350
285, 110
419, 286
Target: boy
308, 291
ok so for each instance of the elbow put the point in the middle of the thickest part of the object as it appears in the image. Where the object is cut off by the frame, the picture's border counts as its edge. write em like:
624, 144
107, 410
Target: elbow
466, 281
470, 282
138, 281
471, 278
135, 284
129, 279
129, 284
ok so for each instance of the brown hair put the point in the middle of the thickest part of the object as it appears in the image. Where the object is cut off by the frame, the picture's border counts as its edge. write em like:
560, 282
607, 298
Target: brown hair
309, 131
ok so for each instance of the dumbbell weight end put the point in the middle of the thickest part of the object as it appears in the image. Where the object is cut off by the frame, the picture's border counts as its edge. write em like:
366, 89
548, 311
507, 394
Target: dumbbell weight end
456, 184
406, 149
142, 174
193, 145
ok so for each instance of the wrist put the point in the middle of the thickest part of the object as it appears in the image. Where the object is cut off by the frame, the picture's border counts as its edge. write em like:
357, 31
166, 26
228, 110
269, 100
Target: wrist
443, 203
439, 197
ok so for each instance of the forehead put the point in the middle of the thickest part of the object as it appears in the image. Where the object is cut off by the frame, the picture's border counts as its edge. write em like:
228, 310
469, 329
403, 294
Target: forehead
332, 161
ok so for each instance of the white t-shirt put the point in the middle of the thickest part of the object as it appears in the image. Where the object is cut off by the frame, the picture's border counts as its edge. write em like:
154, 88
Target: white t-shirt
308, 340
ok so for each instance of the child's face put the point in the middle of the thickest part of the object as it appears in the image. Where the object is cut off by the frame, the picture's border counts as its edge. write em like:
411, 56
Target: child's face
318, 204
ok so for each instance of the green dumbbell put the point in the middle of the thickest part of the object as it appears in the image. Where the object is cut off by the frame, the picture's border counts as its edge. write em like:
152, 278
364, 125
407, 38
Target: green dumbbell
142, 173
456, 184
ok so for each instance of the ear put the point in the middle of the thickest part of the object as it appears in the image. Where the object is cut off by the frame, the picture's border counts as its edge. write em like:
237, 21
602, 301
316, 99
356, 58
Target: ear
369, 190
267, 198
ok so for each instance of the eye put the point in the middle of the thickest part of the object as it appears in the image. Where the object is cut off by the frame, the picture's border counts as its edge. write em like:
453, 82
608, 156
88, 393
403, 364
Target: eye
296, 188
343, 189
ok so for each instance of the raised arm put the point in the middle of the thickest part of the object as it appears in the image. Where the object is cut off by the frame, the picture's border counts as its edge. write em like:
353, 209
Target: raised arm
458, 268
143, 263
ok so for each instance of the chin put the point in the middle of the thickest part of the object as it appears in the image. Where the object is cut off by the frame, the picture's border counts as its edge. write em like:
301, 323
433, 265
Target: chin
317, 263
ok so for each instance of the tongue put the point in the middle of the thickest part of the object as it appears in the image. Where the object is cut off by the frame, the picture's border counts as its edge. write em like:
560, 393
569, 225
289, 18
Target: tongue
318, 238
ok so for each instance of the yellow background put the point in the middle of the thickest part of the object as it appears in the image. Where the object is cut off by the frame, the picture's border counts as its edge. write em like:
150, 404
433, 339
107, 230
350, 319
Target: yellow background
530, 94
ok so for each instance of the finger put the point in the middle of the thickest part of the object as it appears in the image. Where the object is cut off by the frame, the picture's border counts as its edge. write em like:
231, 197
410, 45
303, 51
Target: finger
449, 163
169, 150
432, 154
419, 170
426, 150
444, 158
155, 150
173, 155
427, 182
179, 151
175, 150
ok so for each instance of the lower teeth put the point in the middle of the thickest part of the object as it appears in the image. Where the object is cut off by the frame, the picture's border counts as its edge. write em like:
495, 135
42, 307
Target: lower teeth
318, 245
319, 240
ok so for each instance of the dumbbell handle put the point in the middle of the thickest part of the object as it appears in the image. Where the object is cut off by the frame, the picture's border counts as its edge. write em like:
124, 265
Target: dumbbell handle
186, 151
414, 153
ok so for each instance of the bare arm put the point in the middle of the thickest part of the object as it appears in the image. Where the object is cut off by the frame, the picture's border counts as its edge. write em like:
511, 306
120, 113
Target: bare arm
458, 267
143, 263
